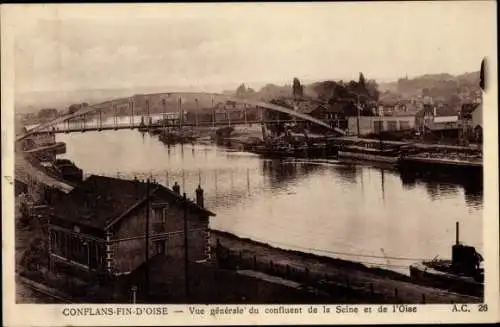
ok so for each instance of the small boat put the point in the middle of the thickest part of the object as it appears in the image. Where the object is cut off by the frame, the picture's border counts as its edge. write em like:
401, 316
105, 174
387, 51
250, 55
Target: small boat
464, 273
176, 137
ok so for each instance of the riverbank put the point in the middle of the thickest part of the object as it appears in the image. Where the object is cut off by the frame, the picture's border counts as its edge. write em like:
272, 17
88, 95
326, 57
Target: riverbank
244, 271
385, 285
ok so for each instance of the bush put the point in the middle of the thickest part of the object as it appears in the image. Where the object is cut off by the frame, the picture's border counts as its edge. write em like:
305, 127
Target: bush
35, 255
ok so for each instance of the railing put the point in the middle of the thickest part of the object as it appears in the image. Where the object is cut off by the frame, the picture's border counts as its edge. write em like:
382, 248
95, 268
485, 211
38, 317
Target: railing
96, 126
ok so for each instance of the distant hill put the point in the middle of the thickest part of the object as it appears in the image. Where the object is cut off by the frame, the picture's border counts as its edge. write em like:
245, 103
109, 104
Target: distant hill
444, 88
441, 87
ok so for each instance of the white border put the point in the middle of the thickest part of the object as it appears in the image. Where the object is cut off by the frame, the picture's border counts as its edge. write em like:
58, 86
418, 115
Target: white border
51, 315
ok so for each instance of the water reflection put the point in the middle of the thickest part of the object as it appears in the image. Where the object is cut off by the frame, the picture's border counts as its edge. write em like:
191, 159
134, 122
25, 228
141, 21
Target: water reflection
439, 185
347, 173
279, 172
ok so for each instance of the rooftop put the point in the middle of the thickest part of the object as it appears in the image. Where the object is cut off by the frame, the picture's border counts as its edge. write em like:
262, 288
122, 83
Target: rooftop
99, 201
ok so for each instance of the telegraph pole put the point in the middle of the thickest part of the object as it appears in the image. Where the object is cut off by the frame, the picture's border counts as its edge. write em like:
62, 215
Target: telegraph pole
196, 113
186, 257
213, 112
181, 118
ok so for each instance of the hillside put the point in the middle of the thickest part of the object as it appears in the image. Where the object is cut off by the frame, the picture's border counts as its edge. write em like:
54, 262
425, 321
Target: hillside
441, 87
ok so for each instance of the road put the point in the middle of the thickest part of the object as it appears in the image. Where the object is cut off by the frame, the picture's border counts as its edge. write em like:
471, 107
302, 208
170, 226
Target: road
25, 171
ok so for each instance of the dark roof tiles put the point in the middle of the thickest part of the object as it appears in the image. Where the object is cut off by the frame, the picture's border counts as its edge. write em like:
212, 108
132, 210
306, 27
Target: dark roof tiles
99, 200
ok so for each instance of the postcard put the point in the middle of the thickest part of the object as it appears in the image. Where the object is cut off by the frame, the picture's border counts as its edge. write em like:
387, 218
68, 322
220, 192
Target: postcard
263, 163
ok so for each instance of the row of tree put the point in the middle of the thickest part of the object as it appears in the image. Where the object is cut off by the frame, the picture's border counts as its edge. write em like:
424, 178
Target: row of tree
366, 90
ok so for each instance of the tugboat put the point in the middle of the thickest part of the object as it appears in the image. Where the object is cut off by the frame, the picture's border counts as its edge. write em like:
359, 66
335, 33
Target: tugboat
462, 274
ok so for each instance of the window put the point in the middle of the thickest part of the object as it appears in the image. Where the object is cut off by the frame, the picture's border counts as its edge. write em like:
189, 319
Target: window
160, 214
160, 247
378, 126
159, 220
404, 124
392, 125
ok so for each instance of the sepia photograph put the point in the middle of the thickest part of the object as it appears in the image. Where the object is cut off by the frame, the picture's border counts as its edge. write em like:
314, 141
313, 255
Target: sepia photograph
250, 154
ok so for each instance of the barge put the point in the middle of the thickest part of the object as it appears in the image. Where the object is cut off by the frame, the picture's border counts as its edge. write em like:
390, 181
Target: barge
373, 150
444, 162
68, 170
462, 274
287, 149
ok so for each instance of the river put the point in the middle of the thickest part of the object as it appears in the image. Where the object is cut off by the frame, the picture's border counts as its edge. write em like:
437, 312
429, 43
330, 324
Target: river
356, 212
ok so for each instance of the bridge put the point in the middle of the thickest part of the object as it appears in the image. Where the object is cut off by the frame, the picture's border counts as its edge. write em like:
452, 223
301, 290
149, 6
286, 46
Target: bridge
86, 126
90, 110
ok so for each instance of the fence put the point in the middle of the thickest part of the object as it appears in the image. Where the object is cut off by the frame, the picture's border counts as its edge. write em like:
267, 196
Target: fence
345, 285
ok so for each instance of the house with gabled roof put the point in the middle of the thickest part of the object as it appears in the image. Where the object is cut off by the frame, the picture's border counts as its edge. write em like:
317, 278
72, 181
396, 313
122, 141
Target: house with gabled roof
105, 225
471, 121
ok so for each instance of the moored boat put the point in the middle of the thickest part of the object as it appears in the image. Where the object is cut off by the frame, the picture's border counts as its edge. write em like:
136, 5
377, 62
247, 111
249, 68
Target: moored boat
462, 274
372, 150
68, 170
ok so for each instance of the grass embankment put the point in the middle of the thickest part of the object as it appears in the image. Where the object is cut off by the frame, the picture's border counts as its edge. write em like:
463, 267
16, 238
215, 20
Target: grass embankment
372, 285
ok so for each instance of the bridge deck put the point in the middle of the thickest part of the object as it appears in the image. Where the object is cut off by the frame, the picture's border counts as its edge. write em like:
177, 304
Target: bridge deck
110, 126
261, 104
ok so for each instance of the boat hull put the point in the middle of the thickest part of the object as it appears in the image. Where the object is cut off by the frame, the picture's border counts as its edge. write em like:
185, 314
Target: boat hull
422, 274
368, 157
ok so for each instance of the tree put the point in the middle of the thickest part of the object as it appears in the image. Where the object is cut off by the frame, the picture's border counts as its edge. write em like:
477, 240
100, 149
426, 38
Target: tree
361, 81
326, 90
298, 89
47, 113
372, 89
73, 108
241, 90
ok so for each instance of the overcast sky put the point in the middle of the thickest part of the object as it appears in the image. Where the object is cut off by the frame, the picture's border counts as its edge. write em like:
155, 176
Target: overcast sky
213, 46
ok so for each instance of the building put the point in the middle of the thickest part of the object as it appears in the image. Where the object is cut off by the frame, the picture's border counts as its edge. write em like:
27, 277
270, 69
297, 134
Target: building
100, 226
439, 120
331, 113
470, 121
365, 125
43, 146
38, 140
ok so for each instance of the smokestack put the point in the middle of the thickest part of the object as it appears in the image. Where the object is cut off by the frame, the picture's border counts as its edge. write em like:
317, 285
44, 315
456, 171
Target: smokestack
457, 239
199, 196
136, 187
176, 188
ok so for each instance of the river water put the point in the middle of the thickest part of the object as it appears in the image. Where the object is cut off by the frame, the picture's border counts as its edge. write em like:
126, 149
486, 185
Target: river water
352, 211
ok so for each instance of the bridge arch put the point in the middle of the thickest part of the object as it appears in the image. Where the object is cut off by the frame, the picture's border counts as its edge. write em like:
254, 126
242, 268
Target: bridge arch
257, 103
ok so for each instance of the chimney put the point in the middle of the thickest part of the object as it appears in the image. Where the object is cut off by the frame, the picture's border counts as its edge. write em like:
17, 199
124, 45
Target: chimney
199, 196
136, 187
176, 188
